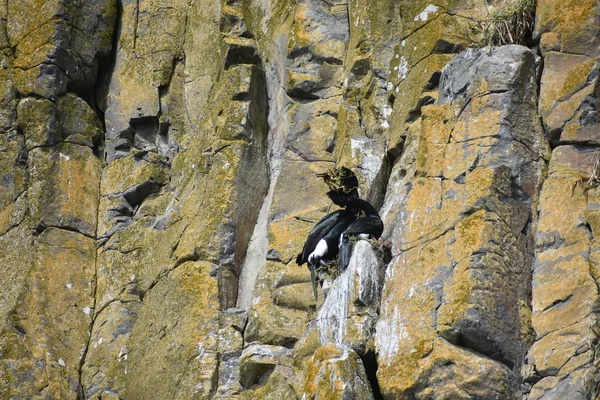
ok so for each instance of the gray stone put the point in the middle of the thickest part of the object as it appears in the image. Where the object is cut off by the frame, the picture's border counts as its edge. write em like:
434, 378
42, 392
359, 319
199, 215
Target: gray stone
38, 121
258, 361
232, 323
336, 372
500, 67
349, 312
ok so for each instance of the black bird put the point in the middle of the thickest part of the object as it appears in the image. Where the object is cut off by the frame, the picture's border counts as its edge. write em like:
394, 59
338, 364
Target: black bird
323, 240
369, 226
322, 243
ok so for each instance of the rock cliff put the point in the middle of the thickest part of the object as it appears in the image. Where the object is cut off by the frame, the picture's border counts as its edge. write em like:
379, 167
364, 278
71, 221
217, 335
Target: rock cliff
157, 180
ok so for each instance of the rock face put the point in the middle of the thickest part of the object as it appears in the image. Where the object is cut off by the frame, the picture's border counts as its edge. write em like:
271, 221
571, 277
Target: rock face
157, 180
465, 240
562, 362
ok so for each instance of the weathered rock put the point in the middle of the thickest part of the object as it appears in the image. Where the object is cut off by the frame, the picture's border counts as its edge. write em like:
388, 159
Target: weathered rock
64, 187
349, 312
232, 322
560, 308
370, 159
45, 123
258, 361
183, 305
461, 241
66, 48
336, 372
78, 121
316, 49
126, 184
269, 322
278, 122
164, 208
425, 43
564, 311
140, 66
279, 385
103, 375
15, 242
50, 193
13, 181
176, 324
569, 93
213, 118
229, 378
231, 342
568, 97
38, 122
47, 333
312, 131
568, 28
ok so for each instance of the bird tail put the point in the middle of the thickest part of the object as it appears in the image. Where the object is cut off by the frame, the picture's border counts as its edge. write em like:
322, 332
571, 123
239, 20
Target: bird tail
313, 278
346, 246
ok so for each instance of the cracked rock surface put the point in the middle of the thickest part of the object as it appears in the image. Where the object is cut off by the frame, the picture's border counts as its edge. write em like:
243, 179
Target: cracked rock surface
157, 180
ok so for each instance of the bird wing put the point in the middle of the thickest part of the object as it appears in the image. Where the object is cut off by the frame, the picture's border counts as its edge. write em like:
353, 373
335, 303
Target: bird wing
317, 233
371, 225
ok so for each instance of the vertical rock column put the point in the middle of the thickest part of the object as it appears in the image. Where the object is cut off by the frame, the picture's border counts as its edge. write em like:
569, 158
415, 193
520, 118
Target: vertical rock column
562, 363
313, 60
565, 290
304, 143
455, 317
187, 171
340, 339
50, 137
138, 217
53, 316
363, 130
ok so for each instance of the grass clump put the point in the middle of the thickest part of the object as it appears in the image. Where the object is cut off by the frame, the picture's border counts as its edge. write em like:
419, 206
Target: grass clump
341, 180
512, 25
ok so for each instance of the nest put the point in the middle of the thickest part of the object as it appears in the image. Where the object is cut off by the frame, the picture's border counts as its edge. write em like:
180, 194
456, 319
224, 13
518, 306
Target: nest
341, 180
329, 269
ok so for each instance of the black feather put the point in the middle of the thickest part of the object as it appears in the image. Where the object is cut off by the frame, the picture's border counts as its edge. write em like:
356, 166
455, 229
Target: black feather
318, 232
329, 229
370, 225
346, 247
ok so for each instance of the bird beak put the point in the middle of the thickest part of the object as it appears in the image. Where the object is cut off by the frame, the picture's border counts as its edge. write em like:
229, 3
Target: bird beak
320, 175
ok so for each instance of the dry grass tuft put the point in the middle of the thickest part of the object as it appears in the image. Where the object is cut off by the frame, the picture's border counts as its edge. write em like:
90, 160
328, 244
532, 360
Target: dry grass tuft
338, 178
592, 180
512, 25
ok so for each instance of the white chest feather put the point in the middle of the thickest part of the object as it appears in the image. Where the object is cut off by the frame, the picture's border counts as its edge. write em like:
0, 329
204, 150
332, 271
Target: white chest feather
319, 251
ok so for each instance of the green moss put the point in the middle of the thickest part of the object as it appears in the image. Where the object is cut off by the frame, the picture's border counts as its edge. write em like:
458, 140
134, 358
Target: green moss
279, 20
6, 381
576, 78
421, 159
469, 228
276, 388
